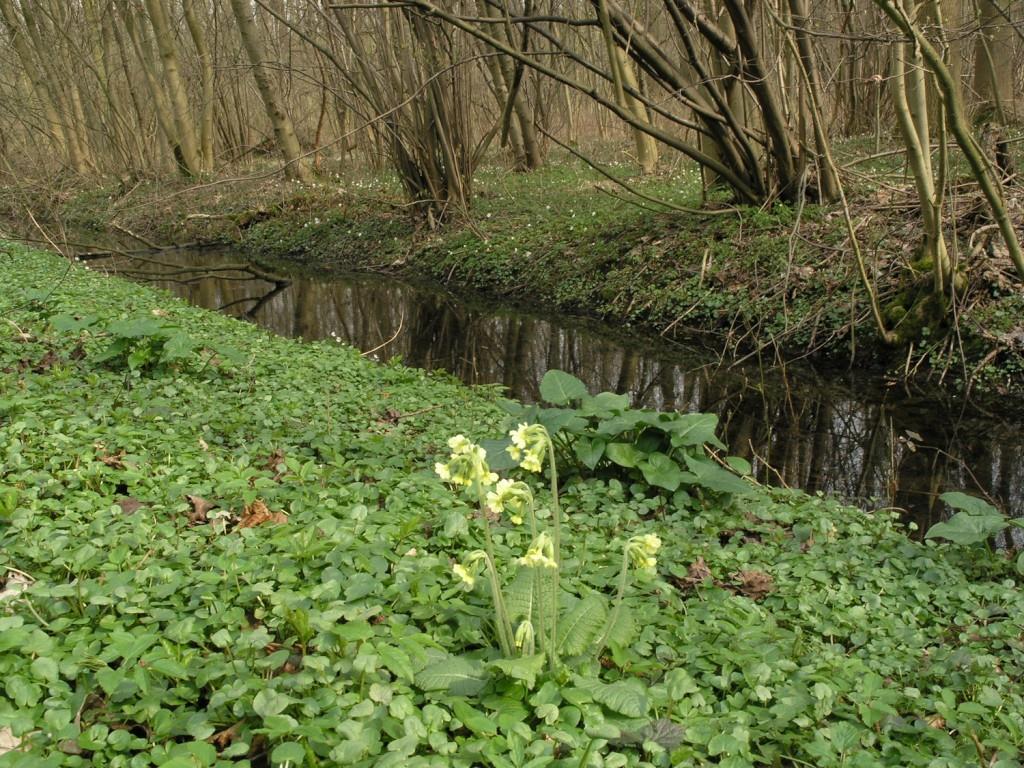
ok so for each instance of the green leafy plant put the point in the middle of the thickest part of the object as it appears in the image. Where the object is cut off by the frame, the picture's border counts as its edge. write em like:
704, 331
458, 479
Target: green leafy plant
600, 435
528, 619
147, 345
975, 522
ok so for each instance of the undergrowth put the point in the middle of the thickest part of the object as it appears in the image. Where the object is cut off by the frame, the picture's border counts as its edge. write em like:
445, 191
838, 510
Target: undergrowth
240, 553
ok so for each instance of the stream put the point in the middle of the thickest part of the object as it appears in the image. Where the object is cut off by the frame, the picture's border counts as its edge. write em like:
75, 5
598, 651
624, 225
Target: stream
839, 432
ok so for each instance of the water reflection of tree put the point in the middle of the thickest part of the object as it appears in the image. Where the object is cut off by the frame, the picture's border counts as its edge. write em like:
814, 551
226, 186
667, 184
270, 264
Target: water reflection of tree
805, 432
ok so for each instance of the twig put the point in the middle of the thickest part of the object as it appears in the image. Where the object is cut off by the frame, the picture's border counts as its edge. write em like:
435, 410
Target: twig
401, 322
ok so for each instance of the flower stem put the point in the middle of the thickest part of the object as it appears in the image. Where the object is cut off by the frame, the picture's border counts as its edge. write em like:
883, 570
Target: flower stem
506, 640
617, 607
557, 539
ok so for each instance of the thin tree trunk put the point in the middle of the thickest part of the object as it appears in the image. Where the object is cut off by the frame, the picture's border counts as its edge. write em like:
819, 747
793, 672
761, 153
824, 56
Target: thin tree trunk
195, 29
159, 20
284, 132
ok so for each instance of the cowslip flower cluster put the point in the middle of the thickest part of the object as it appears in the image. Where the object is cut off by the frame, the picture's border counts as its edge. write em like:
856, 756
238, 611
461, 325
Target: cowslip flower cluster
541, 553
467, 571
529, 442
467, 464
642, 549
513, 497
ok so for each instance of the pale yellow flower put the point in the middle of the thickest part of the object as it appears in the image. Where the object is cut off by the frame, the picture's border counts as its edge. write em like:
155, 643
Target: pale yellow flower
529, 444
510, 496
642, 549
541, 553
466, 465
467, 577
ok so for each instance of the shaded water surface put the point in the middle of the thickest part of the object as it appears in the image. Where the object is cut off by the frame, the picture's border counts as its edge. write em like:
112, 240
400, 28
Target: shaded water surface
840, 433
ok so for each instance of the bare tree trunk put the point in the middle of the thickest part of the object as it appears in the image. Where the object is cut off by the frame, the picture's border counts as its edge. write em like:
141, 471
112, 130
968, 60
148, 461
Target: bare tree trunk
646, 146
195, 29
161, 106
912, 115
159, 20
40, 86
994, 68
284, 132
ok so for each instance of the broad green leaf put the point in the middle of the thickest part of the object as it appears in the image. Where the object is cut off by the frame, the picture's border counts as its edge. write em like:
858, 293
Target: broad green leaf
691, 429
72, 324
555, 420
474, 719
134, 328
561, 388
580, 627
178, 346
739, 465
970, 504
603, 404
525, 668
269, 702
711, 476
498, 457
397, 661
589, 451
46, 669
8, 501
520, 595
288, 752
623, 627
624, 454
661, 471
965, 528
456, 675
627, 697
623, 422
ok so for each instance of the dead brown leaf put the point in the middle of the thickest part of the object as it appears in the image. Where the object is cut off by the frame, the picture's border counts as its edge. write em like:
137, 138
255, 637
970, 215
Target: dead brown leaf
258, 513
128, 505
224, 739
697, 574
274, 463
8, 741
114, 461
200, 506
754, 584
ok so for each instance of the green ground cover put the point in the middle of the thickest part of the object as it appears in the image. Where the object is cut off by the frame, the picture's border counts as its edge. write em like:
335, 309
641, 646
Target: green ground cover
218, 546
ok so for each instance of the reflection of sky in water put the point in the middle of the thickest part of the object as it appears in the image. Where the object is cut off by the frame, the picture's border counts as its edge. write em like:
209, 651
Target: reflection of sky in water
815, 431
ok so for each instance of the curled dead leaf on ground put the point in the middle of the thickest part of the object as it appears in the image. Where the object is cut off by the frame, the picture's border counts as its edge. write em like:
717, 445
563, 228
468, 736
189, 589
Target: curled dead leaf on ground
200, 507
114, 460
258, 513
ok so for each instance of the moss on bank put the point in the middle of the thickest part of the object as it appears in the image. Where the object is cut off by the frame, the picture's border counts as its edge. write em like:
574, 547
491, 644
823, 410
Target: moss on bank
777, 281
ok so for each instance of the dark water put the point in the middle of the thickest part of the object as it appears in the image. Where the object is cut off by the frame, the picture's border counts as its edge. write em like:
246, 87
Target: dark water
841, 433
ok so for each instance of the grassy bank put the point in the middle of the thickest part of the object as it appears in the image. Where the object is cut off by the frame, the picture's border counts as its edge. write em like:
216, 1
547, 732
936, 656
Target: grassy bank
220, 547
779, 282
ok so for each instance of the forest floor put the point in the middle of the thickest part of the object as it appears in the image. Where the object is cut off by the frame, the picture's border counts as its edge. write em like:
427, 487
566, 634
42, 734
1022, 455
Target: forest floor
780, 283
220, 547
